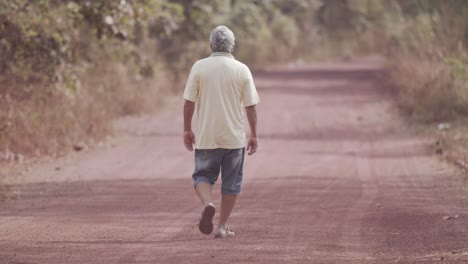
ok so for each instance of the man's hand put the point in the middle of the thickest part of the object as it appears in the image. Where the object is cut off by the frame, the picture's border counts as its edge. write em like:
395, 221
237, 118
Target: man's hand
189, 140
252, 145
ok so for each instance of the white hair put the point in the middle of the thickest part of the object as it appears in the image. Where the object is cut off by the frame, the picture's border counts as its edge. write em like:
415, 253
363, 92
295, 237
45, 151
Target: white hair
222, 39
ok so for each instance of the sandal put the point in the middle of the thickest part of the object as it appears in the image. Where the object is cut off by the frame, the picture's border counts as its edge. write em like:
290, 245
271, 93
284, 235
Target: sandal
206, 221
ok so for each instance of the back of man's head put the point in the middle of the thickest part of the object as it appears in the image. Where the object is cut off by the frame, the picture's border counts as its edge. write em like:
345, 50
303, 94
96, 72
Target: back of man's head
222, 39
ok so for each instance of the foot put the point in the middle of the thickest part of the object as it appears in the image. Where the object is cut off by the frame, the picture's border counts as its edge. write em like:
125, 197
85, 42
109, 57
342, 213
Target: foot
206, 221
224, 232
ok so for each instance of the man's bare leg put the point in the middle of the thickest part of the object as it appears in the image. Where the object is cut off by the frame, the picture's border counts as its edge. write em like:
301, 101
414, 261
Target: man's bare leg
203, 191
227, 203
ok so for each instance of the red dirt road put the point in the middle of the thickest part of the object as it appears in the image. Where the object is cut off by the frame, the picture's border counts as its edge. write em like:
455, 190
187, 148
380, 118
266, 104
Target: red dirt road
337, 179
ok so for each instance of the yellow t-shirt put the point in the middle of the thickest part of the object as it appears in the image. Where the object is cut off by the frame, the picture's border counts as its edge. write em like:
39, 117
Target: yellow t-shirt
221, 87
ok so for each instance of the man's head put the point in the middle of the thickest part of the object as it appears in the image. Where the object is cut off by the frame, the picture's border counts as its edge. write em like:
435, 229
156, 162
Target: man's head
222, 39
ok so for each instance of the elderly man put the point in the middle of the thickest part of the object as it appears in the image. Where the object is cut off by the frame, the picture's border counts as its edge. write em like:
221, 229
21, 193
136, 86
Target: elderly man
221, 87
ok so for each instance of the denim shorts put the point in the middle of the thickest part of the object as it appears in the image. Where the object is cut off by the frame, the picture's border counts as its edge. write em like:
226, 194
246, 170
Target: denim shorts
209, 162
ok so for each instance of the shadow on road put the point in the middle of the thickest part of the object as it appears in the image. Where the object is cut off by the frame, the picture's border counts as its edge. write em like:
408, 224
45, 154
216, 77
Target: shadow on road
96, 200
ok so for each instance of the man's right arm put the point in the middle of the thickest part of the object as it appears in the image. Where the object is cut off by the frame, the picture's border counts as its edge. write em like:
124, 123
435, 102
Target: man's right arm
190, 94
189, 137
252, 143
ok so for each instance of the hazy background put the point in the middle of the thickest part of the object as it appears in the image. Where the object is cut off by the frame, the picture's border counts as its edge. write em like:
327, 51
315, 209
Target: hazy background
68, 68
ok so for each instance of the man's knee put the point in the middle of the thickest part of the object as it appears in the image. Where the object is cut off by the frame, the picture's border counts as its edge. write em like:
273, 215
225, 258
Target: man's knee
202, 180
231, 190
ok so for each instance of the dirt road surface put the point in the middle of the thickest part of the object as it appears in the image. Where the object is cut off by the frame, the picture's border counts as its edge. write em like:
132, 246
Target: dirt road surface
338, 179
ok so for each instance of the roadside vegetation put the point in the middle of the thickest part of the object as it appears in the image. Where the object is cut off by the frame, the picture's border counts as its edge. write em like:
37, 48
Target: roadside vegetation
428, 70
68, 68
425, 43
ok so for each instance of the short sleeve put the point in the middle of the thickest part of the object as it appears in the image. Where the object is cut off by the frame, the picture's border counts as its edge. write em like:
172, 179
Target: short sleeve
193, 85
249, 94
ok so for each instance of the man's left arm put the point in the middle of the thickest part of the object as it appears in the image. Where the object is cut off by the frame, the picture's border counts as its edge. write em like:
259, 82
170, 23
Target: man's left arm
250, 99
252, 142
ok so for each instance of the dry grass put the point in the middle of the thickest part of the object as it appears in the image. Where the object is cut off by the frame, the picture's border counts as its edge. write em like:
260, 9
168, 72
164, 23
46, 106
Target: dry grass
51, 119
426, 89
430, 93
453, 144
